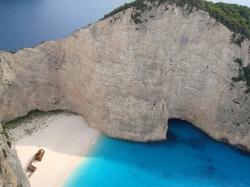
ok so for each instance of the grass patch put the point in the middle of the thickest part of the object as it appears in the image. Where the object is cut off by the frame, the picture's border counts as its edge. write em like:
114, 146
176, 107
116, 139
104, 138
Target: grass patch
6, 134
4, 153
244, 74
234, 17
247, 91
238, 61
136, 17
31, 116
137, 4
237, 39
9, 144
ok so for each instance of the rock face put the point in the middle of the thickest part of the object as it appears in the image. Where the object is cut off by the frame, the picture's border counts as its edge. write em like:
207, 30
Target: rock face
11, 172
128, 79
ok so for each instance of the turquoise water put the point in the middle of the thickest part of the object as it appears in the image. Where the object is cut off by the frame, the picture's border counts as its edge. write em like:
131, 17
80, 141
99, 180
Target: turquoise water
26, 23
188, 158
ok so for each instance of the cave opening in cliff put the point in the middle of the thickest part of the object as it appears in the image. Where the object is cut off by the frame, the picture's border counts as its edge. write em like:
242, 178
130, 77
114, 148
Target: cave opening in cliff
188, 156
182, 132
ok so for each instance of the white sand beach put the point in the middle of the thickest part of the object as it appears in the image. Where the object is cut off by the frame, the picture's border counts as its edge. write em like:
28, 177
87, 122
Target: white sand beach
64, 138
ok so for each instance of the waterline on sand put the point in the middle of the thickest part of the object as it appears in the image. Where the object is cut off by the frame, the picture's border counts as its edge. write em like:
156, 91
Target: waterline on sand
187, 158
65, 139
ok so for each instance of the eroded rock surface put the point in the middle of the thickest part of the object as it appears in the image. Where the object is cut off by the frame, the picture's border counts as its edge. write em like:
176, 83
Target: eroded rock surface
11, 171
128, 79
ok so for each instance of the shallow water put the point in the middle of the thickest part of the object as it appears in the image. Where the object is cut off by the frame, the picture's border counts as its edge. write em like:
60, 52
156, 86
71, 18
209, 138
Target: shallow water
26, 23
188, 158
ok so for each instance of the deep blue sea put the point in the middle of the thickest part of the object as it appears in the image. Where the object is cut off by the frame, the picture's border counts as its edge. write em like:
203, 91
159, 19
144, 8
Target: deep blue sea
26, 23
189, 158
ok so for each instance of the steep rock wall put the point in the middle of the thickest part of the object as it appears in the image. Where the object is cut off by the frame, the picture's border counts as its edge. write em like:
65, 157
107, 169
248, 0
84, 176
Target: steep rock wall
128, 79
11, 171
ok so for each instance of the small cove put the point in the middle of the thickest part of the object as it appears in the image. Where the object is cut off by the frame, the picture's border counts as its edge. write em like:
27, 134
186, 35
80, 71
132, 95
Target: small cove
188, 158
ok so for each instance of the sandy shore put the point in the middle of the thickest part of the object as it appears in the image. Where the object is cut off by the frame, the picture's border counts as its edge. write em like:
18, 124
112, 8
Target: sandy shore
64, 138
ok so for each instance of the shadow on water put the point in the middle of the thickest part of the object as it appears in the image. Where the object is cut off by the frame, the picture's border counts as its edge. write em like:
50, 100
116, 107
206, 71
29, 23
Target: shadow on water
241, 152
188, 154
192, 137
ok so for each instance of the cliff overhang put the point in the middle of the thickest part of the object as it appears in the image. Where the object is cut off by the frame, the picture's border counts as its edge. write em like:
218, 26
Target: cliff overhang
131, 72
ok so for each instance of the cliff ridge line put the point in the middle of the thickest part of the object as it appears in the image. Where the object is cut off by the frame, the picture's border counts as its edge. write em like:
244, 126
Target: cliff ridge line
128, 79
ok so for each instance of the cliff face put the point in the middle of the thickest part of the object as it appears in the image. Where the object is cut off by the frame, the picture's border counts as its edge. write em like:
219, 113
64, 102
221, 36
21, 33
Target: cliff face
128, 79
11, 172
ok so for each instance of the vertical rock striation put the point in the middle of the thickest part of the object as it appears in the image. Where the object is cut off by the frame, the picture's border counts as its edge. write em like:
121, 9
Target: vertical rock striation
11, 172
128, 79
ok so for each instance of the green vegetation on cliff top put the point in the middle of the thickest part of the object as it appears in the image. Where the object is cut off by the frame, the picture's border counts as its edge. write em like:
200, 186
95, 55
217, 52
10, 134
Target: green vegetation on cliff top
235, 17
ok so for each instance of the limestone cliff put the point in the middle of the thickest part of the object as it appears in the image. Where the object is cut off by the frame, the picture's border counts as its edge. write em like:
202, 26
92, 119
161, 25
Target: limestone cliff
128, 79
11, 172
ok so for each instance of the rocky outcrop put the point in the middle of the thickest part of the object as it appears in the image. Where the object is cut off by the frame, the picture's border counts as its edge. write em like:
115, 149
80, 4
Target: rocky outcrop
128, 79
11, 172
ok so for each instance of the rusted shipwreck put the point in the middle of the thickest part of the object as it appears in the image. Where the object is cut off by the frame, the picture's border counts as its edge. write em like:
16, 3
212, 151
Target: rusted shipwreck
38, 156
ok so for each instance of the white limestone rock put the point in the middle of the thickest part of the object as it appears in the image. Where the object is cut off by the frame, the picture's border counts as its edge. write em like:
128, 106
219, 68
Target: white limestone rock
128, 79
